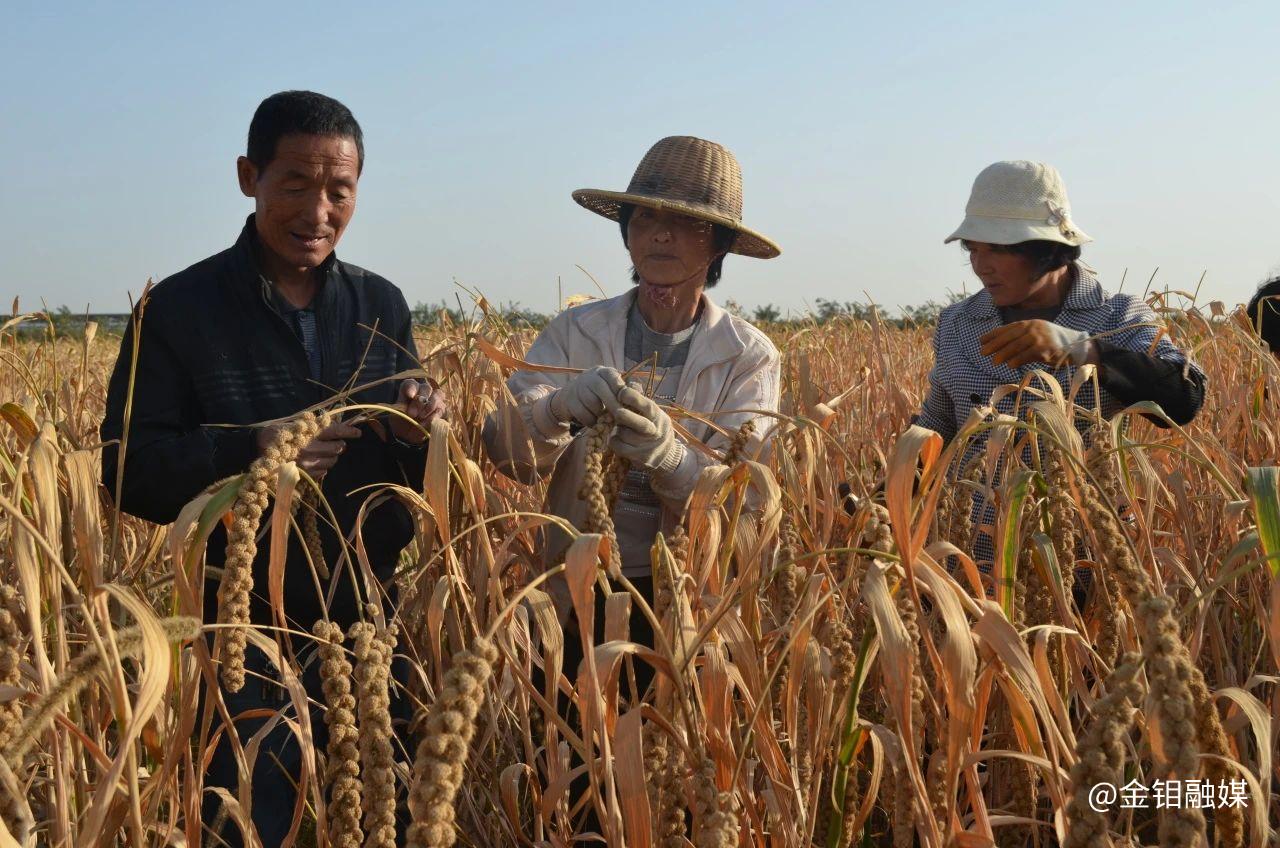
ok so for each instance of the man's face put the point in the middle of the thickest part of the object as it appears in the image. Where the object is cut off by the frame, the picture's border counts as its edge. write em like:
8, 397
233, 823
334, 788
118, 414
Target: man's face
304, 198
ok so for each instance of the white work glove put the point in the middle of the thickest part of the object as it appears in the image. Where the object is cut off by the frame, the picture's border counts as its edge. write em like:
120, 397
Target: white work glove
587, 396
655, 447
1073, 343
1022, 342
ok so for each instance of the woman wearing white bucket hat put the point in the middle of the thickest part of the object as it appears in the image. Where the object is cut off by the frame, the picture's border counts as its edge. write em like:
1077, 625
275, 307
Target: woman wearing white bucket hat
1041, 308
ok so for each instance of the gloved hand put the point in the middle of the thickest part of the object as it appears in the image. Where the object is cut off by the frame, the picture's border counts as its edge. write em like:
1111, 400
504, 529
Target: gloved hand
1036, 340
657, 450
587, 396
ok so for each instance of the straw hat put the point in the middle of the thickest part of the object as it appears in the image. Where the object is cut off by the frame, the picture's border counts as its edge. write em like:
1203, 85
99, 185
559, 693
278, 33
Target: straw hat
690, 176
1019, 201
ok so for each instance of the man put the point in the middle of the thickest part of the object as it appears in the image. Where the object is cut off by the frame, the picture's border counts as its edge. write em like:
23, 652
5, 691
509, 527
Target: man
271, 326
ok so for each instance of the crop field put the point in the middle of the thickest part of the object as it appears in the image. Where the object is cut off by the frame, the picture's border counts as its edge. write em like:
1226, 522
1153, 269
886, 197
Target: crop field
824, 676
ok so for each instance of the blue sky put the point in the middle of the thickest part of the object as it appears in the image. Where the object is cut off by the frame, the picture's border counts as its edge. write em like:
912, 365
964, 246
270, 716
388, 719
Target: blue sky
859, 128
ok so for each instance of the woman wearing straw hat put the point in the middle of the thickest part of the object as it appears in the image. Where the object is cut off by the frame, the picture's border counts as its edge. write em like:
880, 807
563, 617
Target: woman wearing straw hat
1041, 308
679, 217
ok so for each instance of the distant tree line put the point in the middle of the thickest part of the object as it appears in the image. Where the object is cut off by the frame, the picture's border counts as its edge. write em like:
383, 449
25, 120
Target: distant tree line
62, 321
823, 311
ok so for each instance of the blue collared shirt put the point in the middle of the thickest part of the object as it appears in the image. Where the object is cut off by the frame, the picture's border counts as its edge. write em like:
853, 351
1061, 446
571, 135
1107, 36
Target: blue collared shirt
963, 378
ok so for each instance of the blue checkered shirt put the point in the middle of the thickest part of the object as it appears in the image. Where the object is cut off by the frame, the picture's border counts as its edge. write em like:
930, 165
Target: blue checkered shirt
963, 378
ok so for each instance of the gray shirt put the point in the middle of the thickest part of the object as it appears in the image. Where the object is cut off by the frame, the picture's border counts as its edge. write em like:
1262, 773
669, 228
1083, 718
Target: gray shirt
302, 320
638, 515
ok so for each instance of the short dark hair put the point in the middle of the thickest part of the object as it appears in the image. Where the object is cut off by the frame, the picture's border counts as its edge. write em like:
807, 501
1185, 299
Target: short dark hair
1045, 255
1264, 313
299, 113
722, 238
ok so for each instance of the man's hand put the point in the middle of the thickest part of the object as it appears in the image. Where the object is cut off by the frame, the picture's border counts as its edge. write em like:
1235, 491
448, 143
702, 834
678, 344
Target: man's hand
322, 452
646, 437
423, 403
1023, 342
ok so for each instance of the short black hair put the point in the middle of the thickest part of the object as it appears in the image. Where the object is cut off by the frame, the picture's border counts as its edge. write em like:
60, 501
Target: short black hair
1264, 313
299, 113
722, 238
1045, 255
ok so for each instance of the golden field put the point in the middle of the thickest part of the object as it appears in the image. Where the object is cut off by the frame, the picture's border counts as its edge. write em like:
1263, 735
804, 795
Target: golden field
823, 678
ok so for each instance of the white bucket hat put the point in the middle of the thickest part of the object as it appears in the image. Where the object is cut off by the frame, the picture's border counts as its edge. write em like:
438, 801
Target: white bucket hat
1013, 202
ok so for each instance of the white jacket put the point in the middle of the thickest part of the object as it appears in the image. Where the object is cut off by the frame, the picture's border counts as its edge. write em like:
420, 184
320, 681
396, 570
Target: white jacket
731, 366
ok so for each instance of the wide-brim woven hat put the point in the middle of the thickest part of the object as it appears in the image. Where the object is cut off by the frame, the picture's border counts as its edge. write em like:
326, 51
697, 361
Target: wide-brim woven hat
1019, 201
691, 176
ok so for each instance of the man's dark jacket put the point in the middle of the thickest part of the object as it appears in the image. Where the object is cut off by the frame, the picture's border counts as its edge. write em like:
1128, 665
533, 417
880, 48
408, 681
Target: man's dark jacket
215, 350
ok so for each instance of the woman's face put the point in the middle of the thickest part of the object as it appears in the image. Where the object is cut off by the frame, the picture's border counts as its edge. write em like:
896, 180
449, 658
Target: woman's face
1008, 276
668, 249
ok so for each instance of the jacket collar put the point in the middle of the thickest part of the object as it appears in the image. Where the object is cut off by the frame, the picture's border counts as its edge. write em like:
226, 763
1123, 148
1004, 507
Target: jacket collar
717, 340
244, 254
1078, 312
1085, 293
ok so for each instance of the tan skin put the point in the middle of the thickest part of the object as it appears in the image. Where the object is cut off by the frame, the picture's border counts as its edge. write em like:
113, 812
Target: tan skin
671, 254
1011, 280
303, 201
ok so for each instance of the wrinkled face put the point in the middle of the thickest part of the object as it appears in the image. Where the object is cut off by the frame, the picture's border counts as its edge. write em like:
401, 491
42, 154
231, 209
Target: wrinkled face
1009, 277
668, 249
304, 198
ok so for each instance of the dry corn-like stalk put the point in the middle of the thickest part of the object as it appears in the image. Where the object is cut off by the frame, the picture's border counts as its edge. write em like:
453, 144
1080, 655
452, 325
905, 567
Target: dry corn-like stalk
665, 782
903, 807
1228, 820
342, 770
15, 811
671, 820
1168, 666
377, 765
441, 759
1108, 638
593, 491
1100, 755
614, 475
786, 585
242, 545
738, 443
10, 656
717, 819
1168, 671
1062, 519
309, 503
656, 751
80, 672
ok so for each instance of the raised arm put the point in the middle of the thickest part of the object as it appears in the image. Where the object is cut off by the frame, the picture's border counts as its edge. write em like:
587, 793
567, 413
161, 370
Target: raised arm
1143, 364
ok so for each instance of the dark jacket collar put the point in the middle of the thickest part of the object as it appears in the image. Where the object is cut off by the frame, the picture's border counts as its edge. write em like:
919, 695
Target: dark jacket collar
244, 257
1085, 293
